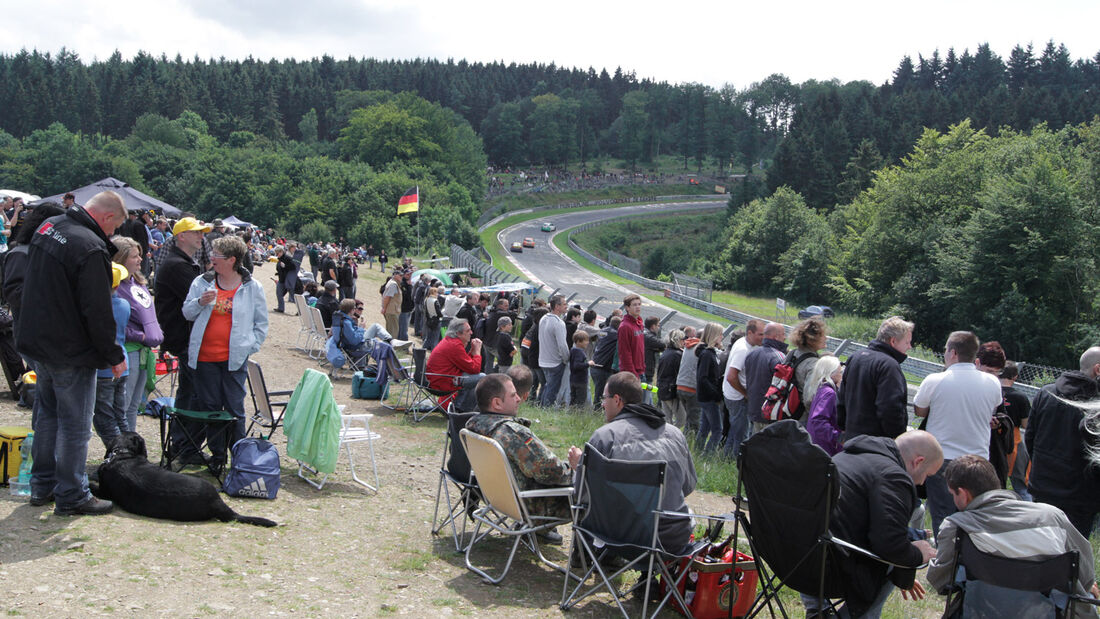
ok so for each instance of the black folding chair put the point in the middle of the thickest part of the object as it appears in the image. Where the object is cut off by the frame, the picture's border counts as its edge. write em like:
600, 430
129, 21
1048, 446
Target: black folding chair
421, 399
988, 585
620, 505
185, 436
791, 487
455, 474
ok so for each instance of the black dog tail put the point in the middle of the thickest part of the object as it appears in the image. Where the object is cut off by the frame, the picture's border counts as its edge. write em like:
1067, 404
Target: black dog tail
260, 522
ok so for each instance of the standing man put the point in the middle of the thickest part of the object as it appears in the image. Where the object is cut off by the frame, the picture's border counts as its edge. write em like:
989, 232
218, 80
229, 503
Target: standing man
653, 347
553, 350
1062, 473
328, 268
959, 404
69, 335
314, 259
733, 387
173, 282
1018, 408
875, 397
283, 268
407, 305
632, 338
759, 368
391, 302
603, 358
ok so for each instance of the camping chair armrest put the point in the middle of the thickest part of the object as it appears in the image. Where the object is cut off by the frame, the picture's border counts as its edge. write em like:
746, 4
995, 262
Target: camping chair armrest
357, 417
545, 492
1087, 599
870, 555
286, 392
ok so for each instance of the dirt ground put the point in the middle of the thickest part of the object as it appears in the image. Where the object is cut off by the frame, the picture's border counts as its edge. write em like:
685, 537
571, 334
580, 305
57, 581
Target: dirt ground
340, 551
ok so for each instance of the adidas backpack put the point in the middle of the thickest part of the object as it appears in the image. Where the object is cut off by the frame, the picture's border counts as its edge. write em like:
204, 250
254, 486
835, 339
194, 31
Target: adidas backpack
255, 470
783, 399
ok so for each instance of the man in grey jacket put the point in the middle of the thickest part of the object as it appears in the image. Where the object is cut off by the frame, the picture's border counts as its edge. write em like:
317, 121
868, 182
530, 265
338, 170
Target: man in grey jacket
636, 431
553, 349
1001, 525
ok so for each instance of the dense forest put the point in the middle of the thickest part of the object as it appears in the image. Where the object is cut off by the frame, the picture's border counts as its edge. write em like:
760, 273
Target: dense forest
963, 192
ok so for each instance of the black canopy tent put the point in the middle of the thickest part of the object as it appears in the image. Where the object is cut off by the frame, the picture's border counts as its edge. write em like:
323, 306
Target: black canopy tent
134, 199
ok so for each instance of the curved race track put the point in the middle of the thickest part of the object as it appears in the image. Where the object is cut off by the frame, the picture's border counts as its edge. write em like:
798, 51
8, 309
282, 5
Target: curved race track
545, 264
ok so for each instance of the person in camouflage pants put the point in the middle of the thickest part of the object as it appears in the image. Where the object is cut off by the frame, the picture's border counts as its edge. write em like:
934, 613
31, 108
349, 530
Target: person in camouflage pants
533, 464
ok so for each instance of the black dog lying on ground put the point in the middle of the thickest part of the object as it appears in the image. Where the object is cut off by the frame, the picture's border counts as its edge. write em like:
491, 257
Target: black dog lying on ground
143, 488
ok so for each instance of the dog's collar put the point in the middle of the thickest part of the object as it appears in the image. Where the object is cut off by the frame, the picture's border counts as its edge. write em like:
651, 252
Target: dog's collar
115, 453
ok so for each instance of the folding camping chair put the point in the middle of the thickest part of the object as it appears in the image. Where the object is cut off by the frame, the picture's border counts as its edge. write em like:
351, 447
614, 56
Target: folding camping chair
167, 369
420, 399
454, 471
618, 514
262, 402
185, 434
314, 422
505, 511
306, 329
988, 585
792, 487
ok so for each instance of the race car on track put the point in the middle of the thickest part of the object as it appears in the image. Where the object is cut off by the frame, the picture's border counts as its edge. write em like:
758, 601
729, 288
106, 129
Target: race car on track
517, 247
548, 227
528, 242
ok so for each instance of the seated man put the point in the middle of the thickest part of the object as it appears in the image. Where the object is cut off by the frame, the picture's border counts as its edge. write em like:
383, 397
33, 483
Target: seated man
636, 431
451, 369
1001, 525
522, 378
533, 464
878, 478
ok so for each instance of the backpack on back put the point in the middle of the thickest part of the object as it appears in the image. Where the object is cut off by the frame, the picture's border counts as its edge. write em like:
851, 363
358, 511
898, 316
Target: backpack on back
784, 397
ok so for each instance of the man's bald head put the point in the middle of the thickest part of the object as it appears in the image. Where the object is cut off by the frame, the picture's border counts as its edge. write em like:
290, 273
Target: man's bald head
774, 331
921, 453
108, 210
1090, 360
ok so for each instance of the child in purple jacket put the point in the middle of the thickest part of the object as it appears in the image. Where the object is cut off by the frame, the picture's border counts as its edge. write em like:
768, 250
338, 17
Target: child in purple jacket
821, 390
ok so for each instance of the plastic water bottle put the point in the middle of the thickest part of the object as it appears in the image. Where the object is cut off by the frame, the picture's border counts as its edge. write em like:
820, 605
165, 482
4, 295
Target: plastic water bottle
22, 486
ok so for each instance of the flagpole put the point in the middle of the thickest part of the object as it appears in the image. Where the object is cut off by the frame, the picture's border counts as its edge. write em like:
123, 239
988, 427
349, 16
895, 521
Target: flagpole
418, 219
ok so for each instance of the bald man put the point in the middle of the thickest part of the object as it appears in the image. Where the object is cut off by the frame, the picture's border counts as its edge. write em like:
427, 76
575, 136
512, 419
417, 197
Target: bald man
759, 366
878, 477
69, 335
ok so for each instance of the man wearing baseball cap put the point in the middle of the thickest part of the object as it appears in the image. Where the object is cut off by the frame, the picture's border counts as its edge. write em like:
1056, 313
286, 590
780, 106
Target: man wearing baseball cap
173, 281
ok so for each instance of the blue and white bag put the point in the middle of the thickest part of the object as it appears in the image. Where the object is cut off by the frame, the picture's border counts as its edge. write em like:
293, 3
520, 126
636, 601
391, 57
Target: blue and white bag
255, 470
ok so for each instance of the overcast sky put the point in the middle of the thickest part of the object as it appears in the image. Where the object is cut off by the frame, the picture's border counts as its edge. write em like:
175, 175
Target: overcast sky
710, 42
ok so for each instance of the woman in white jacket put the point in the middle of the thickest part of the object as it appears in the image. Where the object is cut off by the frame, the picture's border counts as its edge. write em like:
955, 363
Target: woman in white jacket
230, 314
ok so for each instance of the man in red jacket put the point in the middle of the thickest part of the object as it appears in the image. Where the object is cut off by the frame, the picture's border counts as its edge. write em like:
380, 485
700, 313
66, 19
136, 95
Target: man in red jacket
632, 338
450, 368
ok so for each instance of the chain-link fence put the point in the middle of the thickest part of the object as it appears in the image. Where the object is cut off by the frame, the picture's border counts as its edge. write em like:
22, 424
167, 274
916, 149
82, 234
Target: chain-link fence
693, 286
624, 262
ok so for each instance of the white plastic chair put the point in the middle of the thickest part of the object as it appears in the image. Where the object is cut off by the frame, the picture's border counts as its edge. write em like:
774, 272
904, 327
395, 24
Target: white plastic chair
355, 428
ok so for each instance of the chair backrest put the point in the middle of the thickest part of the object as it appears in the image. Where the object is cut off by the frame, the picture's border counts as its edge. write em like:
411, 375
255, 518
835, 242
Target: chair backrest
458, 464
258, 388
318, 322
792, 488
622, 498
494, 474
1039, 576
420, 357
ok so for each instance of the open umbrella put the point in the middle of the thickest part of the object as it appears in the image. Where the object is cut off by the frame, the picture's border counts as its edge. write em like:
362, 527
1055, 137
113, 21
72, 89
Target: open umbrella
436, 273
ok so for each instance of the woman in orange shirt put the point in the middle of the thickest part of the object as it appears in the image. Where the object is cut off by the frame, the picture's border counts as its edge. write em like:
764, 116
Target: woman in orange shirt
229, 313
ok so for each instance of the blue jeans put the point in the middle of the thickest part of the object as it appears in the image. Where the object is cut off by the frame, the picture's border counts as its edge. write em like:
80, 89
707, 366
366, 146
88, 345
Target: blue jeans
940, 503
710, 426
553, 384
599, 381
217, 388
109, 416
63, 404
403, 325
281, 290
739, 426
135, 389
873, 612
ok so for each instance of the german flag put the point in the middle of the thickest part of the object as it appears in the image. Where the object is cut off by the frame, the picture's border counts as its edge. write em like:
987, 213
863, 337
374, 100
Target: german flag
410, 202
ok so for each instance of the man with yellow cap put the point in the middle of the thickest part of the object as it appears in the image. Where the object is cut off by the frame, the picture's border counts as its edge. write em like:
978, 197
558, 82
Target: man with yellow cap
174, 277
109, 415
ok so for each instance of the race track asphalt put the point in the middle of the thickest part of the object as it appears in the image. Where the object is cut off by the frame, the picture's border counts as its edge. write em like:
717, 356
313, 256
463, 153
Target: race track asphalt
545, 264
